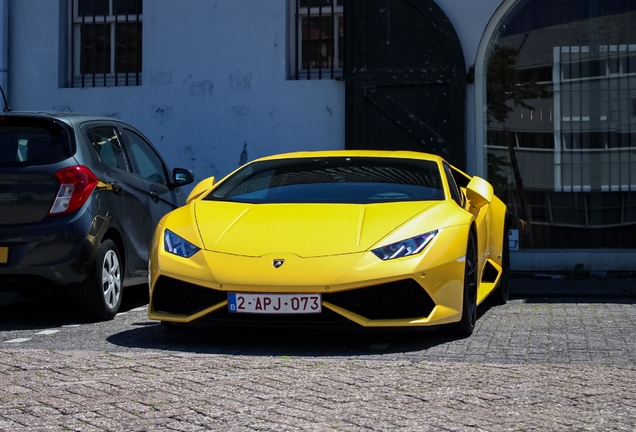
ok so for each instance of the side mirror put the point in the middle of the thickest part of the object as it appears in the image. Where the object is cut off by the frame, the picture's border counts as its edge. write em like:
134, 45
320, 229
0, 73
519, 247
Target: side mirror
202, 187
479, 192
182, 177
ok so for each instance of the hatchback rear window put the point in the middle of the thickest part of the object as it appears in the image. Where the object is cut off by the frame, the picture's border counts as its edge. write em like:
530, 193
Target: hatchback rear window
26, 141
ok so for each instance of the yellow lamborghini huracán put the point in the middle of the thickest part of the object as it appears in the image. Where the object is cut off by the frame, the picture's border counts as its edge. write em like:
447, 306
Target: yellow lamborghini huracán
367, 238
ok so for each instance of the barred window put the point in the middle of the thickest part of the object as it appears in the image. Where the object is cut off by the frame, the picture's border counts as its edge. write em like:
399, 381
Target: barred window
317, 39
105, 42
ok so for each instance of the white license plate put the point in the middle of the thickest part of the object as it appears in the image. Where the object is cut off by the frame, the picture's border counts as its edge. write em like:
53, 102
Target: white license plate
274, 303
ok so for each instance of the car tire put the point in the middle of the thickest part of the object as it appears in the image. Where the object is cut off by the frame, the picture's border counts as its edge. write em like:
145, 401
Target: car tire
101, 293
466, 325
502, 292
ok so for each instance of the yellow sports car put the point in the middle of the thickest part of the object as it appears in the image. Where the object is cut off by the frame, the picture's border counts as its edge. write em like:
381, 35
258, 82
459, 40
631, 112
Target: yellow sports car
368, 238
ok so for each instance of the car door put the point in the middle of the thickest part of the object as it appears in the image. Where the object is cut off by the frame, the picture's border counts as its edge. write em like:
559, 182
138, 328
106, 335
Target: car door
123, 202
162, 198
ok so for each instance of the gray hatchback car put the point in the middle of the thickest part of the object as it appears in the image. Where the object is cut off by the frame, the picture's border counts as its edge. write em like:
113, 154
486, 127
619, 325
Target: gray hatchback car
80, 197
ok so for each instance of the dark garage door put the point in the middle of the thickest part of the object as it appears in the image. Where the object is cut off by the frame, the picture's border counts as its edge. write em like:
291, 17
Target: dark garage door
405, 78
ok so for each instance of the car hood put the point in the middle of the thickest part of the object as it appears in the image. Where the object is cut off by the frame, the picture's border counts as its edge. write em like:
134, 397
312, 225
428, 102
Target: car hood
306, 230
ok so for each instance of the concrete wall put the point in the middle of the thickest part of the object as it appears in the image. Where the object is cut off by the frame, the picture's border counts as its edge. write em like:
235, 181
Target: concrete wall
213, 80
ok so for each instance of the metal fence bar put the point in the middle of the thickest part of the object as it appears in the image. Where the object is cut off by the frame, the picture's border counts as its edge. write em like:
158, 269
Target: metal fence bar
106, 54
320, 39
308, 39
138, 47
72, 46
127, 44
82, 33
94, 46
296, 38
115, 35
334, 30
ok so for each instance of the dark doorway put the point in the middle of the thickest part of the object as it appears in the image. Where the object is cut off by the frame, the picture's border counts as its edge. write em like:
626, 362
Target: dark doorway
405, 79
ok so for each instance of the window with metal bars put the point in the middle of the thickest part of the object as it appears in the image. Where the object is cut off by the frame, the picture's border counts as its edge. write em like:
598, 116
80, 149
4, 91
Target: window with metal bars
106, 43
317, 30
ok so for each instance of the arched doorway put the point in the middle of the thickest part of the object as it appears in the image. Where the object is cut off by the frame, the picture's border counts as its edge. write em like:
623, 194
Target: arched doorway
560, 121
405, 78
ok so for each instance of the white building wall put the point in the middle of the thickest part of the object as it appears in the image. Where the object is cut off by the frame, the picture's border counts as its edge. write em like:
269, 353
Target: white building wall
213, 81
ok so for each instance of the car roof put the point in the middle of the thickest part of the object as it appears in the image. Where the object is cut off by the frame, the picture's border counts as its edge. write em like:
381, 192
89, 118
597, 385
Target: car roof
69, 118
402, 154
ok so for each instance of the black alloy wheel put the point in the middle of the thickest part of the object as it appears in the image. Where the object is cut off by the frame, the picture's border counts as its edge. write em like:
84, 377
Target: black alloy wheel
467, 323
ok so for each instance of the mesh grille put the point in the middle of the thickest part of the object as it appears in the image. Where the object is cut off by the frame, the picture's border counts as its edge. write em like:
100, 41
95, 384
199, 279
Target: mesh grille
183, 298
395, 300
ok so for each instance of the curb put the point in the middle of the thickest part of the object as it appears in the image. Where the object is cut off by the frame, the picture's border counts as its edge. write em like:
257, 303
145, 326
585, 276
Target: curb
573, 288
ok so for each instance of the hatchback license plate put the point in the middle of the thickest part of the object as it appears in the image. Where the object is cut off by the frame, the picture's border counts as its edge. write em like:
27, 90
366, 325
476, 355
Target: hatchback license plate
274, 303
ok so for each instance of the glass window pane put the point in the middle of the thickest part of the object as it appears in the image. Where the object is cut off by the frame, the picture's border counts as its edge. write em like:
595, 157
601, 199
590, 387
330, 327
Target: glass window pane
128, 48
106, 143
149, 163
317, 45
318, 3
91, 8
127, 7
560, 145
95, 54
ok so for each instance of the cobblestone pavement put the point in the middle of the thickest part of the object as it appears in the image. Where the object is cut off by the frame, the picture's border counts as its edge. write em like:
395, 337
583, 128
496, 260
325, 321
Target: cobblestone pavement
536, 364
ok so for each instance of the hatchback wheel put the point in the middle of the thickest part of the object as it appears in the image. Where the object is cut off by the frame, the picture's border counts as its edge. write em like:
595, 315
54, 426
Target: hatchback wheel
101, 293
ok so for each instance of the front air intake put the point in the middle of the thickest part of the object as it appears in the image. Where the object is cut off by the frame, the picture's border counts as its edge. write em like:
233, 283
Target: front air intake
395, 300
182, 298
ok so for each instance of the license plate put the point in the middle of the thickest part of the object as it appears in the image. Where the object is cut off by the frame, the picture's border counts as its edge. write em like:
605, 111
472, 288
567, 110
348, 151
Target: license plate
274, 303
4, 254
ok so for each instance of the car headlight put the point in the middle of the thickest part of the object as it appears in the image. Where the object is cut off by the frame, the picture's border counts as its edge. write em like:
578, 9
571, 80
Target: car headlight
405, 248
176, 245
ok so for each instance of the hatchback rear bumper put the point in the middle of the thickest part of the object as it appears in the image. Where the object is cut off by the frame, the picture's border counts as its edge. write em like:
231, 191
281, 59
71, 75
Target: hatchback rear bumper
58, 250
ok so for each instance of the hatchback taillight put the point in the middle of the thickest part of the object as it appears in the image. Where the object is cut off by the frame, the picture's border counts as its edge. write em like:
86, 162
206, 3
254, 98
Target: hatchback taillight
76, 185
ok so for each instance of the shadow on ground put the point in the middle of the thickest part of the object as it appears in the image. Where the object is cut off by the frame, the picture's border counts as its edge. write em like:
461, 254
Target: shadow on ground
349, 341
54, 308
276, 342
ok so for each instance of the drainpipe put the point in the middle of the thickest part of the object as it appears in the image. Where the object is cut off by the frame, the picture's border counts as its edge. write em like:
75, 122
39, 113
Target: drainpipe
4, 47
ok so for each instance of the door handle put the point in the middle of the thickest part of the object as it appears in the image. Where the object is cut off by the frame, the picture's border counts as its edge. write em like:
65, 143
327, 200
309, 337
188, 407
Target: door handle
155, 196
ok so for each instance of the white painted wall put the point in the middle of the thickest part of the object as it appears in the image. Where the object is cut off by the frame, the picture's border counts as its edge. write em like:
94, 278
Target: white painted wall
214, 81
470, 18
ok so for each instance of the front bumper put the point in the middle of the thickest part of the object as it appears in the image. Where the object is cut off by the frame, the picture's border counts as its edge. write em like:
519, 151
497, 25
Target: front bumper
358, 288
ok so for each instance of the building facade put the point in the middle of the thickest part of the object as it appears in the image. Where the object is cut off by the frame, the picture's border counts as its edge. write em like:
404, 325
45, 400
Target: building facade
537, 96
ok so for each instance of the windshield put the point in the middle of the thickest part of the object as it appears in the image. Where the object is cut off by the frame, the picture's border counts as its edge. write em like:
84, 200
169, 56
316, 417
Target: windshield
352, 180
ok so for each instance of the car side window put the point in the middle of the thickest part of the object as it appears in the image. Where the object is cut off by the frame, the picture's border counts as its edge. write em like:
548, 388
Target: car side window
452, 185
106, 143
148, 161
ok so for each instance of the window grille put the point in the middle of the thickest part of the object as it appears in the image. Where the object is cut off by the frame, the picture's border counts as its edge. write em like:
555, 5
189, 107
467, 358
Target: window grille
106, 42
317, 38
